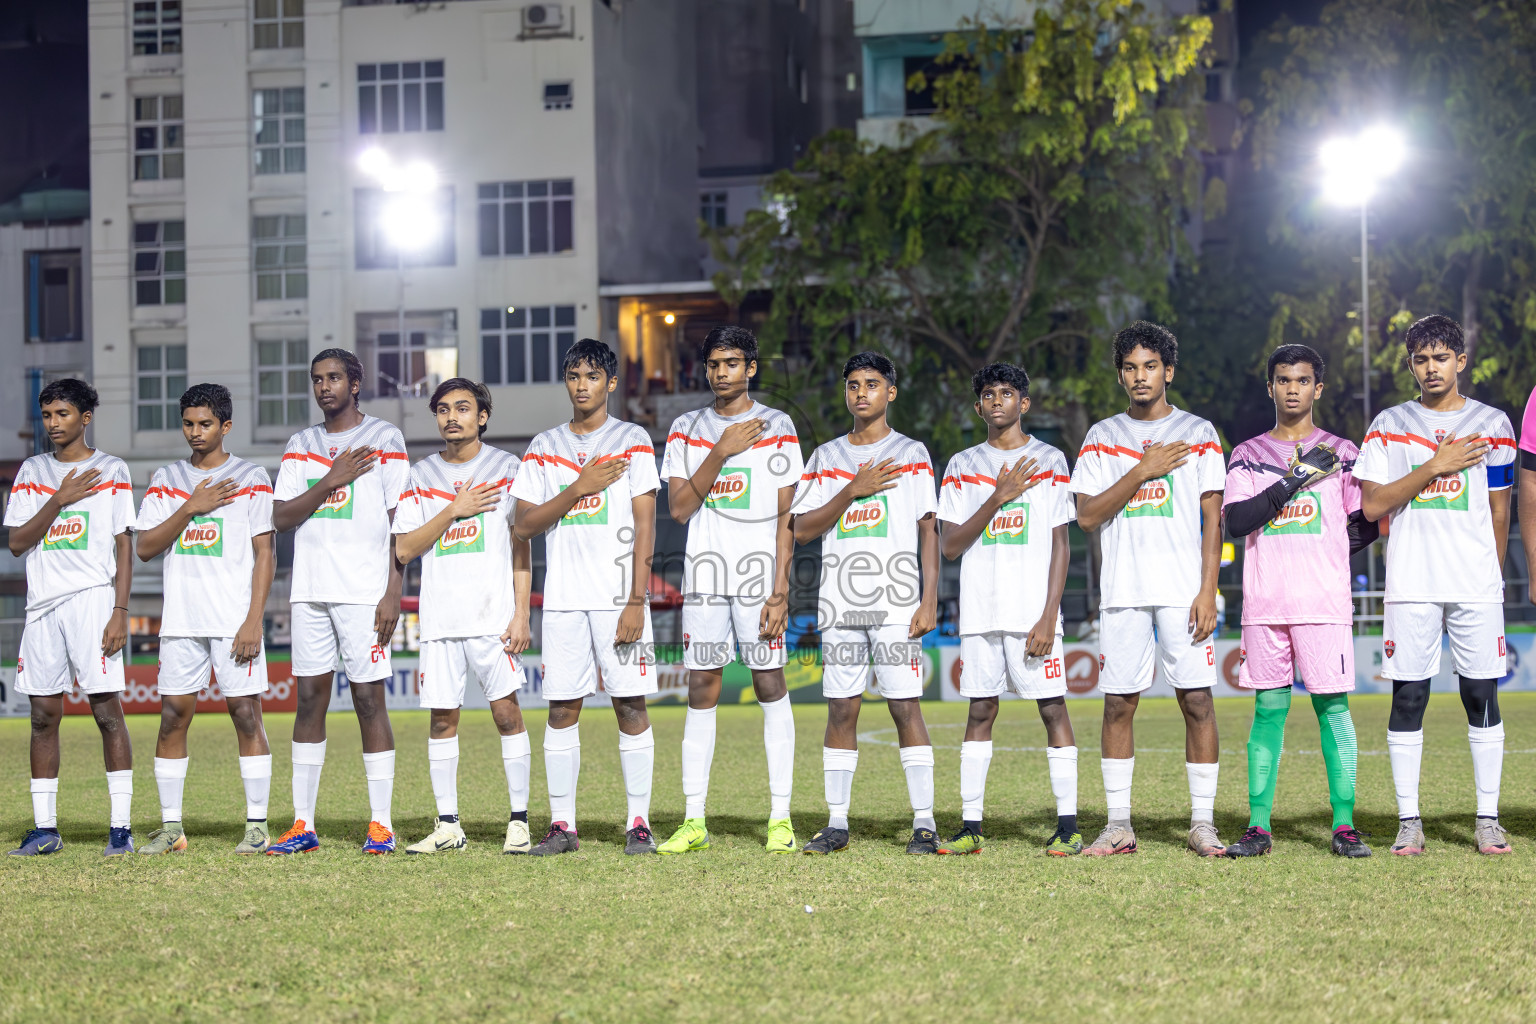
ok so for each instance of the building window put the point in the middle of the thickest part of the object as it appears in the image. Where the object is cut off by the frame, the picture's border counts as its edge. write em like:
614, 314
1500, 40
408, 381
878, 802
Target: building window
156, 27
713, 208
160, 263
279, 130
1213, 87
371, 242
282, 383
557, 95
162, 378
53, 296
403, 97
157, 142
525, 345
277, 24
280, 257
526, 218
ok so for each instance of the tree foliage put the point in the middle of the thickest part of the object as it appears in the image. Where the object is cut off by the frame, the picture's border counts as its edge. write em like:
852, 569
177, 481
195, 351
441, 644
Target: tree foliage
1040, 206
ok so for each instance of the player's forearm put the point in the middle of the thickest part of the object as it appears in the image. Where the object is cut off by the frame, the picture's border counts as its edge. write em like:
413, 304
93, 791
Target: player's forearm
532, 520
687, 498
155, 540
1094, 510
395, 581
1527, 503
1245, 516
784, 542
415, 543
522, 576
644, 508
290, 514
124, 570
1498, 506
262, 571
1210, 540
928, 559
812, 524
1056, 585
957, 538
1377, 500
24, 538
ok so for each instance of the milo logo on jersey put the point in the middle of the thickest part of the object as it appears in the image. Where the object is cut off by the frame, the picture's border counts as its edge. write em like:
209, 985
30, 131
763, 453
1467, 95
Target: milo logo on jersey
70, 532
593, 509
1444, 492
204, 535
1009, 525
1153, 498
1302, 514
731, 489
463, 536
337, 504
866, 517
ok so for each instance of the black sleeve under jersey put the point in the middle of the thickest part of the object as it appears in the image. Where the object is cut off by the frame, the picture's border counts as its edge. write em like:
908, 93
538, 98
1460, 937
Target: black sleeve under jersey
1361, 532
1528, 460
1243, 517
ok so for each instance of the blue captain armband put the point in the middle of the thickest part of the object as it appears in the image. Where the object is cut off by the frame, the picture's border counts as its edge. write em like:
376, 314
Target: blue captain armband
1501, 476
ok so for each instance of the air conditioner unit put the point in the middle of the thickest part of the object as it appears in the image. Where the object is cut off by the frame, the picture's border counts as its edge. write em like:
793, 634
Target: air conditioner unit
539, 19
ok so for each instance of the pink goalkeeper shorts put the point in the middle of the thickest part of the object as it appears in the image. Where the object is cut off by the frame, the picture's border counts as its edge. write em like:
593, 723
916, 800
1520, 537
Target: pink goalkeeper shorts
1323, 652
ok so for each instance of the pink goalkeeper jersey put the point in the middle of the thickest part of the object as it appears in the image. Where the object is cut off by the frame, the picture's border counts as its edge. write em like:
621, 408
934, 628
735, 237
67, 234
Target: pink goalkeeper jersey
1296, 566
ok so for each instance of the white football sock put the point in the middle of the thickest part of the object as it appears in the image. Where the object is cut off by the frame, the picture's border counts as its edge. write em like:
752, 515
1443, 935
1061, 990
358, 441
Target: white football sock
698, 753
1406, 751
562, 766
1487, 766
517, 759
443, 767
837, 768
45, 803
1118, 772
171, 780
120, 792
917, 762
975, 758
1061, 763
1202, 790
779, 742
308, 759
637, 758
256, 777
379, 769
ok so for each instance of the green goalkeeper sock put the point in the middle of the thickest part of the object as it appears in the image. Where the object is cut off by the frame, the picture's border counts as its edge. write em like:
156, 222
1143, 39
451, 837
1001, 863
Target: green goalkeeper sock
1266, 742
1340, 754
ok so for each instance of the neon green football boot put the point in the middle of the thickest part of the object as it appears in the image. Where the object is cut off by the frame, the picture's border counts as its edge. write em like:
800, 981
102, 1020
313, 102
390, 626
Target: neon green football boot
691, 835
781, 836
961, 843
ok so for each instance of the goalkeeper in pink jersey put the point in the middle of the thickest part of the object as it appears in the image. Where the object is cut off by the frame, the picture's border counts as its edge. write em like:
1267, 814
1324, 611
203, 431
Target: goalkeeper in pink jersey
1291, 496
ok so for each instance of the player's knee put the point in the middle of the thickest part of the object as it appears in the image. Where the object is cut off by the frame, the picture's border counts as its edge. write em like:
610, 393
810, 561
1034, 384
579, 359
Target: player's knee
631, 713
1198, 707
843, 711
983, 710
1053, 710
368, 700
44, 720
1118, 709
245, 713
1409, 699
1480, 698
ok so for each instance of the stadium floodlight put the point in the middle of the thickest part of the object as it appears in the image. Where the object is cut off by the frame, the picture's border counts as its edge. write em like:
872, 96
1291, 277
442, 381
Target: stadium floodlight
408, 217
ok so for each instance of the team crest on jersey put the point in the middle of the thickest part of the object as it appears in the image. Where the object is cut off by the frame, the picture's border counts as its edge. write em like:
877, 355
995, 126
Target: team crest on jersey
70, 532
581, 458
1302, 514
1449, 492
1242, 655
591, 509
337, 504
1440, 436
1153, 498
731, 489
204, 536
866, 517
1389, 648
1009, 525
463, 537
1101, 663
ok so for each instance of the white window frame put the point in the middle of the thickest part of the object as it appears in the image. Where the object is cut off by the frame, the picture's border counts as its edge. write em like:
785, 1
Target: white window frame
164, 382
169, 270
280, 256
158, 135
279, 111
399, 87
527, 332
277, 25
527, 203
714, 208
283, 391
160, 30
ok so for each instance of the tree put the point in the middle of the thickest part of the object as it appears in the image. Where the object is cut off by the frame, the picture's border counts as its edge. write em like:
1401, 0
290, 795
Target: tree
1038, 207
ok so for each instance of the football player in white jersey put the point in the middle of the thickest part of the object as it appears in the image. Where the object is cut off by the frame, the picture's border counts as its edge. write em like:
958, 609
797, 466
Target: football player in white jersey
1440, 467
869, 496
590, 487
211, 515
337, 489
1005, 506
69, 514
476, 578
731, 470
1152, 478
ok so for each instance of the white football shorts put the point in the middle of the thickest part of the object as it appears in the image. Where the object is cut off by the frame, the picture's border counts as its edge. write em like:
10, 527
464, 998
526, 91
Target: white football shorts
993, 662
63, 645
1130, 637
578, 645
331, 636
446, 664
186, 661
847, 653
1410, 639
715, 627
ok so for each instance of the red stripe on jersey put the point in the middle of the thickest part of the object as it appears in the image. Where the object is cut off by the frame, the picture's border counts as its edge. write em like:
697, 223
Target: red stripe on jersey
385, 456
1110, 449
551, 457
306, 457
1206, 446
1400, 438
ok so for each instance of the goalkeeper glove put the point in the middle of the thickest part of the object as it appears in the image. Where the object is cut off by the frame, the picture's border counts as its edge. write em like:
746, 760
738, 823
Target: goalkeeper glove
1310, 467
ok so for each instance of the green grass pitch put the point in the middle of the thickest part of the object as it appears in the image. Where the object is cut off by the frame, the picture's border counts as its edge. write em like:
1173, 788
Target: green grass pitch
725, 934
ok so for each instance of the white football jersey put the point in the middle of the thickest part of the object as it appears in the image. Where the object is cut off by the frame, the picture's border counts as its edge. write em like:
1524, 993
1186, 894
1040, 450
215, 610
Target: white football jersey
208, 568
341, 552
466, 576
870, 574
589, 553
1152, 546
1005, 573
79, 550
1440, 545
732, 538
